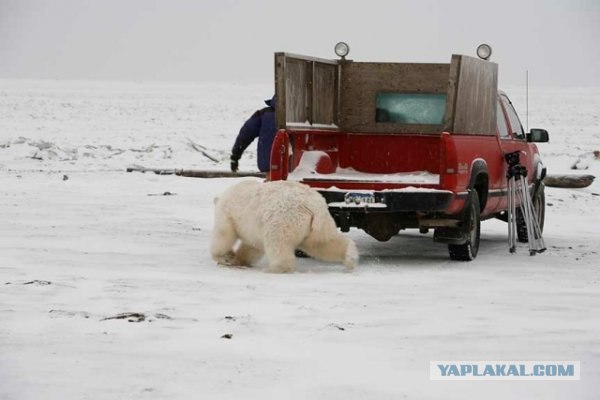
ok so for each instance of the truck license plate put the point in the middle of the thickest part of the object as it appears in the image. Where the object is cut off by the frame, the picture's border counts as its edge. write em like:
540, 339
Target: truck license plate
358, 198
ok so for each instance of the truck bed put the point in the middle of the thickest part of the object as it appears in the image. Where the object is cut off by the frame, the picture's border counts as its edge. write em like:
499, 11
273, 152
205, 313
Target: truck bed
365, 157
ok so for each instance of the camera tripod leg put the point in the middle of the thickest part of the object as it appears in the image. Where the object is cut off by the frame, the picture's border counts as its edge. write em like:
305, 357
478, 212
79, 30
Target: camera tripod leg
534, 233
512, 225
518, 193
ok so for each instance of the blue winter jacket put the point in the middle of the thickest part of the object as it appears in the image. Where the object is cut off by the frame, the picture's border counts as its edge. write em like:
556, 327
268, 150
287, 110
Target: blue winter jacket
261, 125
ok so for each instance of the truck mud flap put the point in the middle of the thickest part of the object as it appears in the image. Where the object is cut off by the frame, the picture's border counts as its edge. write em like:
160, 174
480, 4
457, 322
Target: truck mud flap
449, 235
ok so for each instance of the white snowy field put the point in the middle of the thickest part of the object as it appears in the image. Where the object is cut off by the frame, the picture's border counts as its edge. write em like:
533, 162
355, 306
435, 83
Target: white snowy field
82, 241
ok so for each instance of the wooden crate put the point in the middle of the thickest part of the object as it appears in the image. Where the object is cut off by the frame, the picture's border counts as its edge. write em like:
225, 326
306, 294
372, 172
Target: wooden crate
341, 95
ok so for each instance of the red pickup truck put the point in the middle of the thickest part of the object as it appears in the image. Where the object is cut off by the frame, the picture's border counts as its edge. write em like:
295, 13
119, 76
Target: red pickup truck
395, 146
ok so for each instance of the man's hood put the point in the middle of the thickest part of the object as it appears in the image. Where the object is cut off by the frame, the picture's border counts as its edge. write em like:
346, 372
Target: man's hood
271, 102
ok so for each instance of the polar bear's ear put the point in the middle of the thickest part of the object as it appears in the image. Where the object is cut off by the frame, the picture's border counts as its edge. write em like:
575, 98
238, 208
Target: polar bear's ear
215, 200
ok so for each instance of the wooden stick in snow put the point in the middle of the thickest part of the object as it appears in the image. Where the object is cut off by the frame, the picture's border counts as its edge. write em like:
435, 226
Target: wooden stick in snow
569, 181
195, 173
201, 149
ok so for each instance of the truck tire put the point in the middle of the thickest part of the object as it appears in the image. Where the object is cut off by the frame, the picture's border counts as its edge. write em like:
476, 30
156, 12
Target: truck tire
472, 228
539, 211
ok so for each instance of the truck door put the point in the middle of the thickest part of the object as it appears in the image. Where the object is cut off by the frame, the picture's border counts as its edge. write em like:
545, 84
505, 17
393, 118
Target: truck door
514, 140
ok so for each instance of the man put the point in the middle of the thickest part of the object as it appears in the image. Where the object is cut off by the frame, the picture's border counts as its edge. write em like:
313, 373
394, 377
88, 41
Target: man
261, 125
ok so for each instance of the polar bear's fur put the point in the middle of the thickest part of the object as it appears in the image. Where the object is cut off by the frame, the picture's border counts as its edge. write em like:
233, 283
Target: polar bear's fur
274, 219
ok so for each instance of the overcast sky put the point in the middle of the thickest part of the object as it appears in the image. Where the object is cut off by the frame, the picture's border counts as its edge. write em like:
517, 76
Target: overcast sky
234, 41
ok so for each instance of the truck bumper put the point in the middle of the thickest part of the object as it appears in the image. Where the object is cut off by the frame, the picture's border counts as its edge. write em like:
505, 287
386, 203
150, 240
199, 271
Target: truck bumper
389, 201
382, 214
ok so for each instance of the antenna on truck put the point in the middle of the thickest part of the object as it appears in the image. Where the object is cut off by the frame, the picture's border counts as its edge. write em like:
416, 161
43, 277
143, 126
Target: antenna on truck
527, 99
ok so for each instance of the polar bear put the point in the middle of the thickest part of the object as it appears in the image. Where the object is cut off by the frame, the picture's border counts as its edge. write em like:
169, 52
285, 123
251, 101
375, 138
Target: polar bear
274, 219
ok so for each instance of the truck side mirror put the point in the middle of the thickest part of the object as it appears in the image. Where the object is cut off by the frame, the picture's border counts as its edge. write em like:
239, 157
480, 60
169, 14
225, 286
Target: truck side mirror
538, 136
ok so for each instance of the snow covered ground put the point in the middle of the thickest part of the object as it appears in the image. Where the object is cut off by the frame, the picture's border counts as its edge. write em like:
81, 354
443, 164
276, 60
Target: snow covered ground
82, 242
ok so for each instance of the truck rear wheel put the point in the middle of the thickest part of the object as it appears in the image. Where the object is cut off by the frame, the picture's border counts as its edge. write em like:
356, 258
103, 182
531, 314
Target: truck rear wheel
539, 212
471, 226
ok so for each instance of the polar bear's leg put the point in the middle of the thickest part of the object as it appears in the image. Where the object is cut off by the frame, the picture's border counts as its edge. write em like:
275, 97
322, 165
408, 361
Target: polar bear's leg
224, 237
284, 229
247, 255
337, 248
281, 240
281, 256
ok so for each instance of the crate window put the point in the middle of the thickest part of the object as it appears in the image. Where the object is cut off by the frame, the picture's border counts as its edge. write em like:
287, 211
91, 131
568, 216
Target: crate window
410, 108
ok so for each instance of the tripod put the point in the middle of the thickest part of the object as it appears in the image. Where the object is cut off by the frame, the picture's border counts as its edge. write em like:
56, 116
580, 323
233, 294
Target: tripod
519, 194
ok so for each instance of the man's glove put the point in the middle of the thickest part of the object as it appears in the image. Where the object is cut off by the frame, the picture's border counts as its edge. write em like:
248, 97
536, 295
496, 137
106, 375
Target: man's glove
234, 164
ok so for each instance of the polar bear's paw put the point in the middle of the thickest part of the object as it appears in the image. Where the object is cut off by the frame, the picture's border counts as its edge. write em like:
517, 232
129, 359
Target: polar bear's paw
281, 267
228, 259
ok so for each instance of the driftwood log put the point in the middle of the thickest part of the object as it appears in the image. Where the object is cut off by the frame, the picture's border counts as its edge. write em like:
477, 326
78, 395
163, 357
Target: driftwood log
569, 181
195, 173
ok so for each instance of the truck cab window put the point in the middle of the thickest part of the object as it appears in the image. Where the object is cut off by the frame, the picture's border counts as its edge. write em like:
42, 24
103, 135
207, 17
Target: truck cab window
502, 126
513, 118
410, 108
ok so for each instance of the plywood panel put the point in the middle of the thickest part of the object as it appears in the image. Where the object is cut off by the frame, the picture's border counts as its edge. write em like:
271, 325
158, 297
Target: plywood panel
307, 91
362, 81
324, 108
452, 93
476, 97
280, 90
296, 81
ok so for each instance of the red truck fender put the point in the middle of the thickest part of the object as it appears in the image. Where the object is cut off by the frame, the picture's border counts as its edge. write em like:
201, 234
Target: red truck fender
280, 156
479, 180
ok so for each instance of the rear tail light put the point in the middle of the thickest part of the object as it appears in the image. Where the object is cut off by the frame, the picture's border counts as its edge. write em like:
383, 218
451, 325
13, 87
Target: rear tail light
449, 161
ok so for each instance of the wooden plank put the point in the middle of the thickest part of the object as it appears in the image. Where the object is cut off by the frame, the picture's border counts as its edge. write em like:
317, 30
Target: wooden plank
475, 106
309, 58
453, 81
296, 77
338, 93
324, 94
362, 81
280, 107
310, 77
